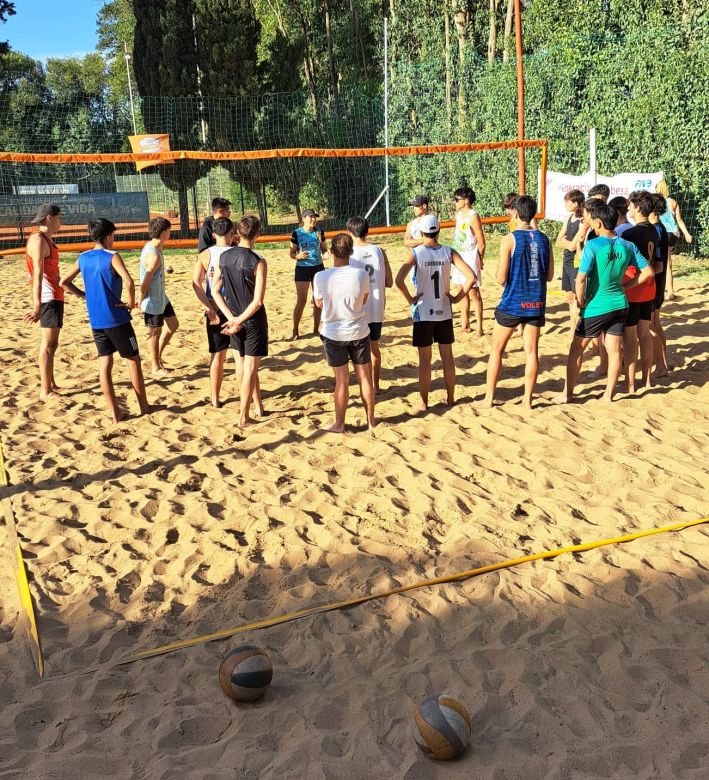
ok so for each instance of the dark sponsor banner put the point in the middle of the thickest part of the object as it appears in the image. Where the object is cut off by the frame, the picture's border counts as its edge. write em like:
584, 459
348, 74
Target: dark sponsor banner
19, 210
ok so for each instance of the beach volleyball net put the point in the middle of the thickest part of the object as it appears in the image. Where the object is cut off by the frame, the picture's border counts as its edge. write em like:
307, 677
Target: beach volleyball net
276, 184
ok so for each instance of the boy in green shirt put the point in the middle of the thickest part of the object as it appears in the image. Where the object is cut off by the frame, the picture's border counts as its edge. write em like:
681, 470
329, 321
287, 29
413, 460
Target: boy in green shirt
600, 291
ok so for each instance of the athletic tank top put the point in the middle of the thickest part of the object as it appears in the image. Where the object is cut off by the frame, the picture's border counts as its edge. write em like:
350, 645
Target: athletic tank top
103, 290
572, 228
526, 286
239, 274
464, 241
51, 289
308, 242
433, 283
371, 258
669, 221
215, 252
156, 300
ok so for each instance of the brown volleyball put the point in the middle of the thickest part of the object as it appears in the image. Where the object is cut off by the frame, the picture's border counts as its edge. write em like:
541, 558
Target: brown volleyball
442, 727
245, 673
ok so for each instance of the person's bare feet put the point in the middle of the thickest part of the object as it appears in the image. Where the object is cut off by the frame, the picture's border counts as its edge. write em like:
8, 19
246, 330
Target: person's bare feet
420, 407
562, 398
47, 396
259, 411
450, 400
246, 422
56, 388
372, 423
661, 373
159, 372
479, 334
120, 415
216, 403
485, 403
606, 398
526, 404
295, 335
334, 428
467, 329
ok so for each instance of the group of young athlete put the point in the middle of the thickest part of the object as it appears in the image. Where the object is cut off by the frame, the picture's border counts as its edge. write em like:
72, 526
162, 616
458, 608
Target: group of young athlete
615, 287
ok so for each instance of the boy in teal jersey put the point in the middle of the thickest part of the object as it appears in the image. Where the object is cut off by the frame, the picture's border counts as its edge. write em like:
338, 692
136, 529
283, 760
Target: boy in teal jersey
600, 291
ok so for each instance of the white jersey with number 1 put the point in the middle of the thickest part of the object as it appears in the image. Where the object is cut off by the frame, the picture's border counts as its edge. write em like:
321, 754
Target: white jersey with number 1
433, 283
371, 258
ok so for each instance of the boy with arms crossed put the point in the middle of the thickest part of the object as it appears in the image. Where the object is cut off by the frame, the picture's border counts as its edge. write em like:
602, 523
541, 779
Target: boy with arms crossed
341, 292
431, 305
375, 262
526, 265
104, 275
154, 303
207, 261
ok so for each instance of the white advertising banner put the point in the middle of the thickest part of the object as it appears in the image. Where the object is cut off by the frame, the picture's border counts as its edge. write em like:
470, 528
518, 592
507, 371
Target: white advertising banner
558, 184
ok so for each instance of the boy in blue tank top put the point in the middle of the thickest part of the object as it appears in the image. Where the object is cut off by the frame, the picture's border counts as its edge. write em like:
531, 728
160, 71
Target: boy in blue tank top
104, 275
526, 265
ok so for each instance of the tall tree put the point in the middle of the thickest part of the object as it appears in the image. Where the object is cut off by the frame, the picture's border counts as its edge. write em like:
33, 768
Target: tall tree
165, 63
7, 8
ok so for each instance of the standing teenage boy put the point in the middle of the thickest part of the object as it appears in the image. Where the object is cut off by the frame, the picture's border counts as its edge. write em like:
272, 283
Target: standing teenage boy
42, 262
221, 209
341, 292
431, 304
307, 247
239, 290
641, 298
526, 265
202, 277
469, 242
105, 275
376, 264
601, 293
155, 304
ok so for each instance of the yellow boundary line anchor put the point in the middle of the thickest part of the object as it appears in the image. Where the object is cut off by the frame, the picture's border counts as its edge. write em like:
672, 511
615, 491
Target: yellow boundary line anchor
344, 604
23, 585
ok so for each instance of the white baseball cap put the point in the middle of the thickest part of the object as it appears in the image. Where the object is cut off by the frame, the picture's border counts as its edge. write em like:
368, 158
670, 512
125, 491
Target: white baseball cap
429, 224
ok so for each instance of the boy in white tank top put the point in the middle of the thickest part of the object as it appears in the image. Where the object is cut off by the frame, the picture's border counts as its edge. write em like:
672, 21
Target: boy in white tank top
376, 264
469, 241
207, 260
431, 305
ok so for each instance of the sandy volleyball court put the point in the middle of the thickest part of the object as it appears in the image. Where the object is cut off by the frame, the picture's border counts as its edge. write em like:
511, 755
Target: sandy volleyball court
174, 525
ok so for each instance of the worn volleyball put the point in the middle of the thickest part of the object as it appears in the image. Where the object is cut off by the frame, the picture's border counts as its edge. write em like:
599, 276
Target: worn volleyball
245, 673
442, 727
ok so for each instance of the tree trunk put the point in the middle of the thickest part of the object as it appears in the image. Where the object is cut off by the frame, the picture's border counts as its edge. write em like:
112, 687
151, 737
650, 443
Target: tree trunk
462, 21
258, 194
449, 93
183, 208
330, 52
508, 30
492, 36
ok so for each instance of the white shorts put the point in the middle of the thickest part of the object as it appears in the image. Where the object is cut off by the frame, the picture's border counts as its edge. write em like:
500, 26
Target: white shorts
474, 262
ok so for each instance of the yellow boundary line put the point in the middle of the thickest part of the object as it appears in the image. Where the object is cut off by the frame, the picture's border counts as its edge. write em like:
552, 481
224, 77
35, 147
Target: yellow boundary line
23, 585
309, 611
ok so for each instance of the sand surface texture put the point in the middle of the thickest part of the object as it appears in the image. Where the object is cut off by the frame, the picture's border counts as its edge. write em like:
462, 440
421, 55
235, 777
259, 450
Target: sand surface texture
170, 526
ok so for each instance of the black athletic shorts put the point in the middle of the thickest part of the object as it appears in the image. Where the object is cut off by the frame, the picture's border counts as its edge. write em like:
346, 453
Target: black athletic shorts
568, 277
508, 321
660, 284
52, 314
639, 311
217, 340
428, 331
672, 239
339, 353
375, 331
306, 273
158, 320
120, 339
251, 340
612, 323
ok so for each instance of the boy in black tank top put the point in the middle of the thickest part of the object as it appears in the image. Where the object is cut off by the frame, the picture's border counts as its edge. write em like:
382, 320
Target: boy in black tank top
570, 238
242, 274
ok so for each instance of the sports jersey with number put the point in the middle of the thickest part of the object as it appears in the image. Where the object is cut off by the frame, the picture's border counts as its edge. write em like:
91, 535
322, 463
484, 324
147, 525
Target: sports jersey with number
371, 258
215, 252
433, 283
